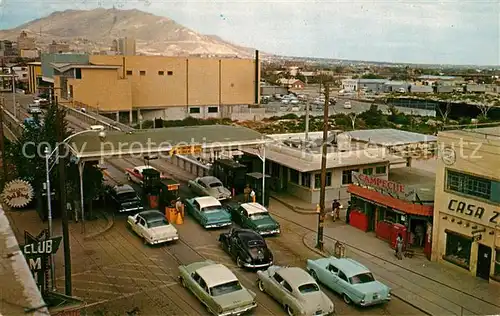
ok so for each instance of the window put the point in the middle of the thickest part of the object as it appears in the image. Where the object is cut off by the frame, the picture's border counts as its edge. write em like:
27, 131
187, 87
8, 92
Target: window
470, 185
342, 276
380, 170
170, 73
213, 109
317, 180
287, 287
294, 176
458, 249
142, 72
306, 179
129, 72
497, 262
278, 278
333, 269
194, 110
362, 278
368, 171
347, 176
225, 288
78, 73
161, 73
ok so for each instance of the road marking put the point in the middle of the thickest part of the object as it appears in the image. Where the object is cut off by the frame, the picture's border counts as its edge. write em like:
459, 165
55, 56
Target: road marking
130, 278
103, 283
96, 268
139, 271
132, 294
96, 290
144, 265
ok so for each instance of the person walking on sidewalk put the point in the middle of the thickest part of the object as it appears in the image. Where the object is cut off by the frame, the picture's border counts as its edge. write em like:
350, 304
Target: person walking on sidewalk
336, 210
252, 196
399, 247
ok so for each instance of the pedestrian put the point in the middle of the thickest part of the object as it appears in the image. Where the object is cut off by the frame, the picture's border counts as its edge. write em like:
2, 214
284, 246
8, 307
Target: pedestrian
336, 210
246, 192
419, 233
348, 212
399, 247
179, 206
252, 195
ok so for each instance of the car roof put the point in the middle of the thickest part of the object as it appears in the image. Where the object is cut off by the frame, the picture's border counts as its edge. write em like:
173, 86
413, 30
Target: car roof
205, 201
248, 235
124, 188
254, 208
295, 276
151, 215
349, 266
141, 168
216, 274
209, 179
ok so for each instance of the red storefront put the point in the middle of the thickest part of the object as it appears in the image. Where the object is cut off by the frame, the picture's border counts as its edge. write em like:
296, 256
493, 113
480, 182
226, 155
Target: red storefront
389, 208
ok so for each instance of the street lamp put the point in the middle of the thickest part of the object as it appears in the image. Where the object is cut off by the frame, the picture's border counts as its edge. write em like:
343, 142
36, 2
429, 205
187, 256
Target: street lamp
48, 168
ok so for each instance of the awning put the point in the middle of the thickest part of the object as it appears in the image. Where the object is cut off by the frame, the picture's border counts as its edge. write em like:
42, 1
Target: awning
401, 205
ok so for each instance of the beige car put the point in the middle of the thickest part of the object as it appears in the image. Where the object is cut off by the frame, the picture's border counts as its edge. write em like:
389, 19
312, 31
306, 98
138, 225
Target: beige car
296, 290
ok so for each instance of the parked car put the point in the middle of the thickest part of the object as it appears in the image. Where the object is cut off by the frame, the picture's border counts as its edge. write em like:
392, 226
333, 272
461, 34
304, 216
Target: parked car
247, 247
135, 174
210, 186
285, 101
34, 109
350, 279
153, 227
125, 199
216, 287
296, 290
347, 105
208, 211
254, 216
40, 101
294, 101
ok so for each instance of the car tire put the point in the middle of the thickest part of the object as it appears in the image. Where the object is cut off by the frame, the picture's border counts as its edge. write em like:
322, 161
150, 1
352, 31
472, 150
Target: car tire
128, 177
347, 299
183, 282
260, 285
314, 275
289, 311
239, 262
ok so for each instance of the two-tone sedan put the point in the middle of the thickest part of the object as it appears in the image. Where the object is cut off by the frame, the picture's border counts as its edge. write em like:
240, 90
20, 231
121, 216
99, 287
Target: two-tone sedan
217, 288
247, 247
152, 227
209, 186
208, 211
350, 279
296, 290
254, 216
136, 174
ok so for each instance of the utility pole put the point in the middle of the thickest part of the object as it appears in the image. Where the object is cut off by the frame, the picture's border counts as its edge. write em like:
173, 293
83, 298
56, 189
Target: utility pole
2, 146
14, 93
307, 119
321, 215
60, 155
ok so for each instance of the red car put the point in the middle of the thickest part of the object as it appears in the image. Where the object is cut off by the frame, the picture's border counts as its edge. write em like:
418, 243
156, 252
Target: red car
135, 174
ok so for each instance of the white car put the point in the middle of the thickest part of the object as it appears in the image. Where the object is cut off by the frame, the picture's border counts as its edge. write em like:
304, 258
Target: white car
285, 101
347, 105
294, 101
152, 227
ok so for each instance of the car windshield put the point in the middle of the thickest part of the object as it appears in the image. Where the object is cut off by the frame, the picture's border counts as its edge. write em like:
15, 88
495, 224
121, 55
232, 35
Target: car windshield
157, 222
259, 216
362, 278
127, 196
308, 288
211, 209
215, 184
225, 288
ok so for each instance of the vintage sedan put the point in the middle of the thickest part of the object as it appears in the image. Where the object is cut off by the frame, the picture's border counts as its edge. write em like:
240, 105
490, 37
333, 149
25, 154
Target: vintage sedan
217, 288
135, 174
210, 186
208, 211
247, 247
254, 216
296, 290
125, 199
153, 227
350, 279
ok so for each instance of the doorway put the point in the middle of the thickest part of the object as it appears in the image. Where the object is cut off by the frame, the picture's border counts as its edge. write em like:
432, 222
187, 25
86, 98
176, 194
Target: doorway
483, 262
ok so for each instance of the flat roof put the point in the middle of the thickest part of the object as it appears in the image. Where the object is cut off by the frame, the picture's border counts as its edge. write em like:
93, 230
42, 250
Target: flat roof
160, 141
486, 133
18, 290
424, 182
389, 137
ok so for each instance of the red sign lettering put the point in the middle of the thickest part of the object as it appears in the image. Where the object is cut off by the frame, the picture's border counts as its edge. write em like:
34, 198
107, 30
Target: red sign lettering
382, 183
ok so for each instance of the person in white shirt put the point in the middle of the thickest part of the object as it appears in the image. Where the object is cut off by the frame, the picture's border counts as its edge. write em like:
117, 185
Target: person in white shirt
252, 195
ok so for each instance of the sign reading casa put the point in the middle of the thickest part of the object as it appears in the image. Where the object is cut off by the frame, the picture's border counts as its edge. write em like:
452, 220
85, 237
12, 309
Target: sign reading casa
473, 211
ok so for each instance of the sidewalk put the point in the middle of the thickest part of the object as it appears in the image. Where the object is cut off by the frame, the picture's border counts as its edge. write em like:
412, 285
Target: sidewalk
429, 286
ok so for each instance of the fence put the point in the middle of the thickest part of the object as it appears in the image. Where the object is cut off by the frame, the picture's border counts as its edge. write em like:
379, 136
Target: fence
191, 165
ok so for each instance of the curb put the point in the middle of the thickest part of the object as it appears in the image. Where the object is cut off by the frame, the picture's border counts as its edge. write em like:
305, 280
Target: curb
296, 209
325, 255
110, 223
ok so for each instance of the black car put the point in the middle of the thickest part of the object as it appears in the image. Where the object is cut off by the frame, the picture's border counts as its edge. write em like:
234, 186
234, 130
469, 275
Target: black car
125, 199
247, 247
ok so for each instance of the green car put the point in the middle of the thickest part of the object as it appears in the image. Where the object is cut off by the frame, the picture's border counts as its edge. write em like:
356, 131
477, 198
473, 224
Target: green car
255, 217
217, 288
208, 211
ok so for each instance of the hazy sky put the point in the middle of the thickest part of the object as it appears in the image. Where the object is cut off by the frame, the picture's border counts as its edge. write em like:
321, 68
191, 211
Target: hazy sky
423, 31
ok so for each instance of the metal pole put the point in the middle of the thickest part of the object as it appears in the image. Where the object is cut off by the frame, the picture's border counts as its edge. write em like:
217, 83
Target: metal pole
81, 166
321, 215
263, 174
49, 215
14, 95
307, 119
62, 198
2, 147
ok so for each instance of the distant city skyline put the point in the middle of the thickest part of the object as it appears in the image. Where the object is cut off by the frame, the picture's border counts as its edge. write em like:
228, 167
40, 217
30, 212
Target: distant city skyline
427, 32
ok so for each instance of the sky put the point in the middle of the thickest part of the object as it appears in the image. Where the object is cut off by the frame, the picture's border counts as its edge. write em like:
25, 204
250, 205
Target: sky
465, 32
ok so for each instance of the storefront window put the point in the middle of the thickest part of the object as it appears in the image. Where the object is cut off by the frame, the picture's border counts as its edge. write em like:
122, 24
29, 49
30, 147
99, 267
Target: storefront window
294, 176
317, 180
497, 262
368, 171
347, 176
458, 249
306, 179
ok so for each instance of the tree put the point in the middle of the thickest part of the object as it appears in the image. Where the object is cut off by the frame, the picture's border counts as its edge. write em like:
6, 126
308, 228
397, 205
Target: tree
485, 107
445, 113
353, 117
372, 76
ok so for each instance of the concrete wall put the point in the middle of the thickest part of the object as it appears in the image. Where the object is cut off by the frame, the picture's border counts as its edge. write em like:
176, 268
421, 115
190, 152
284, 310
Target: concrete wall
48, 70
478, 156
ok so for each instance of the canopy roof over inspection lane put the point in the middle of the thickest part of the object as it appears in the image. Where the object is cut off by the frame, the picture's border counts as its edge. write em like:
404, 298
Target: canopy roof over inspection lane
91, 146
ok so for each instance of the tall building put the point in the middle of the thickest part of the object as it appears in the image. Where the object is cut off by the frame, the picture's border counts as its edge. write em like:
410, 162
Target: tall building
466, 228
114, 46
25, 43
58, 48
126, 46
6, 48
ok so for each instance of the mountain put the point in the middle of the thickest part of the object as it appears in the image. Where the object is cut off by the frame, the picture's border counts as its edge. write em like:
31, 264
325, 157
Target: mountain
91, 30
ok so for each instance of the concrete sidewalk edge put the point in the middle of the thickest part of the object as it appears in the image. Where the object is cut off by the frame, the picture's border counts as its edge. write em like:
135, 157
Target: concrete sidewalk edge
110, 222
296, 209
326, 255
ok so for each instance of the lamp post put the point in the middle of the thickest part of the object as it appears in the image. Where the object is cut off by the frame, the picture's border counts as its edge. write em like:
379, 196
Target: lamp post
262, 157
48, 168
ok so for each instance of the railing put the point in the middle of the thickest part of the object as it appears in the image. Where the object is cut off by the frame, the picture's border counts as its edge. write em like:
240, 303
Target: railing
12, 123
86, 118
100, 118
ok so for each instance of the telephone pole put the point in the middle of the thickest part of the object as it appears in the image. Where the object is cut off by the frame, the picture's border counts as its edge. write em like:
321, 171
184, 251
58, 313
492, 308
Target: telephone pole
60, 155
324, 151
2, 146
